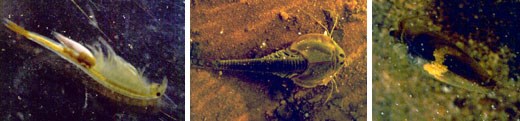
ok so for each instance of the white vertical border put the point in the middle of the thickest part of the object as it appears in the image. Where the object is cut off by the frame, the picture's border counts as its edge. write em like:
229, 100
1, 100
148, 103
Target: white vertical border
187, 62
369, 60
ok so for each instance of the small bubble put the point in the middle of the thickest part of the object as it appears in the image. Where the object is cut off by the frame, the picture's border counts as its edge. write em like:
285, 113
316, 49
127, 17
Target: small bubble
446, 89
130, 46
264, 45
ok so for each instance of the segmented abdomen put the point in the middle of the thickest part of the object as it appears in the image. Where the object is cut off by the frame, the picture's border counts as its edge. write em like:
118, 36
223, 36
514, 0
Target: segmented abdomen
263, 65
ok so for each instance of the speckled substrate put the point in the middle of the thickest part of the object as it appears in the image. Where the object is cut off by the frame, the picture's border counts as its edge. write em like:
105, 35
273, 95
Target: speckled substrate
403, 91
251, 29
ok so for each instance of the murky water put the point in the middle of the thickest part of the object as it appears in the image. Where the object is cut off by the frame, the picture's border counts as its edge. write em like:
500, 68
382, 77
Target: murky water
404, 90
39, 85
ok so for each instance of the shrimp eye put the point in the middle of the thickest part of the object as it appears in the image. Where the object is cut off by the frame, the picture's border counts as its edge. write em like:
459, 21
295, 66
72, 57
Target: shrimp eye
158, 94
341, 63
342, 55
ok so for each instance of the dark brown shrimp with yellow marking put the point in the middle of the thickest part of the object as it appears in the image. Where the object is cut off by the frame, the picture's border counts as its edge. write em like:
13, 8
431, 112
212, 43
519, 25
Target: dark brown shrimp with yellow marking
446, 62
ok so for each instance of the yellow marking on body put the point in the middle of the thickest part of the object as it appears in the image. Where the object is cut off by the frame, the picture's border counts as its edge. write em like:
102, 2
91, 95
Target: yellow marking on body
441, 73
435, 69
40, 39
112, 72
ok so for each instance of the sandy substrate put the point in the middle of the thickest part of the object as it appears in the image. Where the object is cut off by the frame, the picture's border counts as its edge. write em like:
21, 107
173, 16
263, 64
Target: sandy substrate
251, 29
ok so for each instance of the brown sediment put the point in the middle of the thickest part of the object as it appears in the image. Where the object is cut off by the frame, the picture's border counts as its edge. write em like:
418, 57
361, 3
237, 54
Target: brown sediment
241, 32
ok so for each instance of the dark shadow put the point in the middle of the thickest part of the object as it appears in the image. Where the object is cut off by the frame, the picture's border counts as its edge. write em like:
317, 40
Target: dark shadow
493, 23
148, 34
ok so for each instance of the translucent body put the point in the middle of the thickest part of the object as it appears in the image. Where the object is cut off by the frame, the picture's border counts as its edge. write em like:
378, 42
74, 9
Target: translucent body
324, 59
114, 77
311, 60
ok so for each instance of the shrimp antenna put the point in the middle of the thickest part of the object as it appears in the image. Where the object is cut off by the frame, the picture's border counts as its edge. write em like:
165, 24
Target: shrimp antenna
335, 18
144, 9
166, 114
315, 19
334, 87
335, 22
91, 18
168, 104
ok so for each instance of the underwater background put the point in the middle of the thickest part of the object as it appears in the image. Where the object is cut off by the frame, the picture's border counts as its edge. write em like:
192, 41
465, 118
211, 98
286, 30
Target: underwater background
36, 84
402, 90
222, 29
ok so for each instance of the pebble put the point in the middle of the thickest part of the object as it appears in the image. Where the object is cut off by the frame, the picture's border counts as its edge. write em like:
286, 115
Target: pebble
284, 16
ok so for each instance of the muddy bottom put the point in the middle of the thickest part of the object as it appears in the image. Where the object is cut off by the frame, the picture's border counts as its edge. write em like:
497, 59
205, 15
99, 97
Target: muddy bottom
252, 29
403, 90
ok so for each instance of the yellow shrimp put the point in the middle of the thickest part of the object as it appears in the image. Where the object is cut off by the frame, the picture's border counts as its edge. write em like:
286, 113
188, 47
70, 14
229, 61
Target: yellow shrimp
118, 79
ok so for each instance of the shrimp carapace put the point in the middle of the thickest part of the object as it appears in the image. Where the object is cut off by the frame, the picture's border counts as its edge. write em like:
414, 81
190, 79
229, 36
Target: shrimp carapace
114, 77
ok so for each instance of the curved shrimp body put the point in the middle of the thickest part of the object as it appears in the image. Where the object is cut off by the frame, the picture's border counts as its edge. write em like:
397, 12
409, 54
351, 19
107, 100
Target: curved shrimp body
310, 61
446, 62
112, 72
